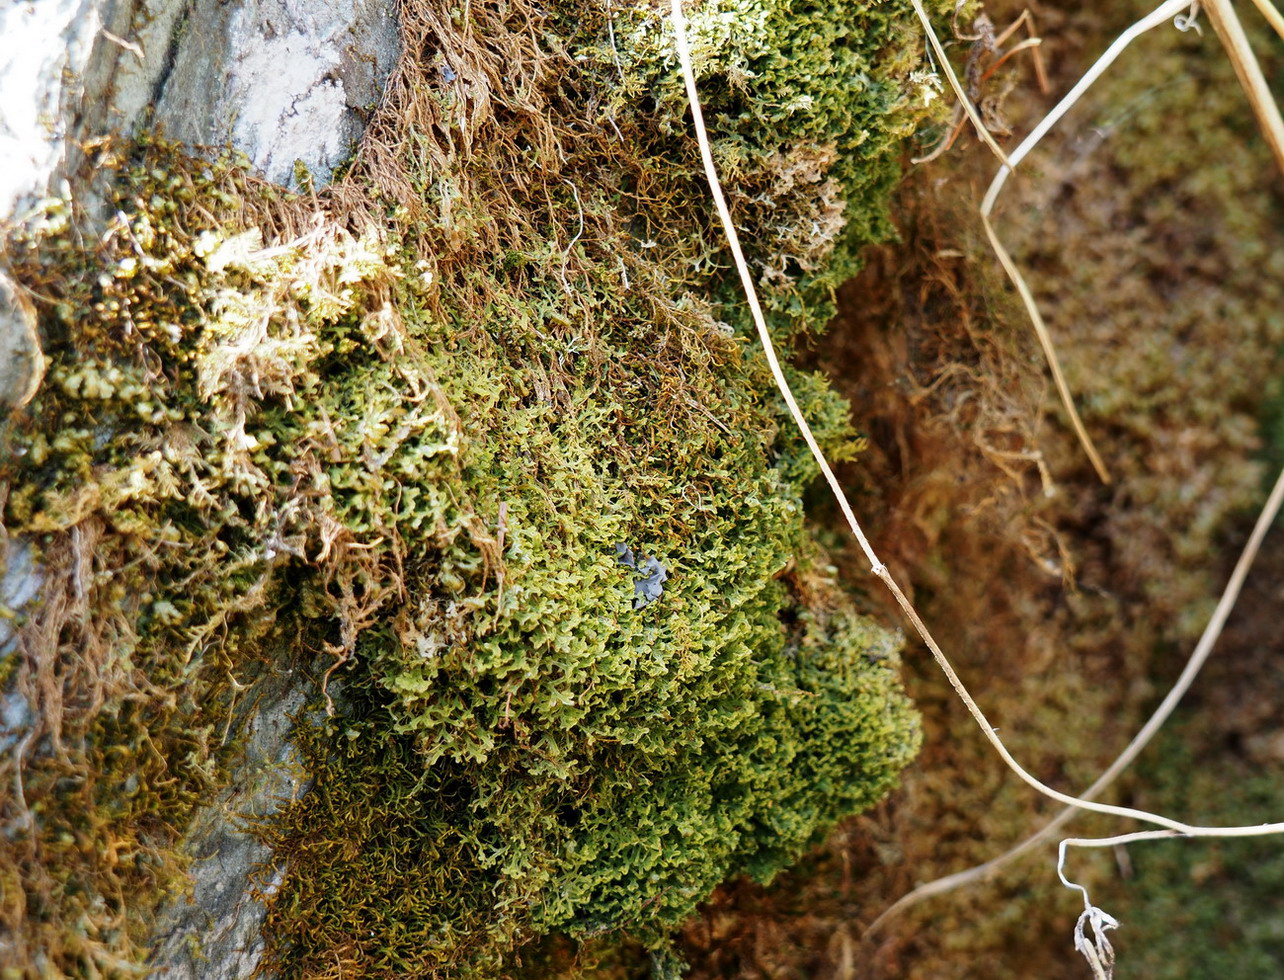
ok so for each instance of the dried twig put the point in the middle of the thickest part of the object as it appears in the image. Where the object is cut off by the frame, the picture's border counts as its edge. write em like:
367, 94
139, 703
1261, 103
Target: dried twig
1231, 32
1164, 12
1272, 15
1009, 166
955, 84
1097, 950
1230, 595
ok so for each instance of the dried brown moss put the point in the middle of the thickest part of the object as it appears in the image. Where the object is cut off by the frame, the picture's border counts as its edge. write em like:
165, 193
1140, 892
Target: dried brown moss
1151, 230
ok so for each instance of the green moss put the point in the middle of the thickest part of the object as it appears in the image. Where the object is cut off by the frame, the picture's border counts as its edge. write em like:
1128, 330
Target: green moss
808, 106
159, 594
1204, 908
409, 442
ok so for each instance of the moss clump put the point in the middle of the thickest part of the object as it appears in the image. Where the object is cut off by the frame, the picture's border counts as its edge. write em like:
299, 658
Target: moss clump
808, 105
408, 441
164, 527
1168, 230
1204, 908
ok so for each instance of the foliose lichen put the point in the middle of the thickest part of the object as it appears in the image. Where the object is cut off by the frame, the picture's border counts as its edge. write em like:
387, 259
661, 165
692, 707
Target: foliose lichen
395, 434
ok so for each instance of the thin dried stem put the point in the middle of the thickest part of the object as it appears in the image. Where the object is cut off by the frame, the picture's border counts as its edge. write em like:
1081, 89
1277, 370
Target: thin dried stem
1045, 341
1164, 12
1272, 15
1029, 44
1097, 950
1009, 165
1207, 641
1264, 106
956, 85
1231, 32
1026, 20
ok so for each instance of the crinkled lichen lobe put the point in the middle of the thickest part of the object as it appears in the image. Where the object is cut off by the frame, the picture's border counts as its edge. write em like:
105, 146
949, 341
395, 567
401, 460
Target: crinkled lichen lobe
408, 436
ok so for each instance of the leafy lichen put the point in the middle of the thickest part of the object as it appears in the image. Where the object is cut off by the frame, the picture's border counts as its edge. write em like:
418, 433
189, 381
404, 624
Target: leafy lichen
403, 442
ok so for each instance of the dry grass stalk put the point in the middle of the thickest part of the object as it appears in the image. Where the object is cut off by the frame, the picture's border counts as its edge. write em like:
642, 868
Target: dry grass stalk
1207, 641
1098, 952
1229, 29
975, 116
1156, 17
1231, 32
1272, 15
1005, 259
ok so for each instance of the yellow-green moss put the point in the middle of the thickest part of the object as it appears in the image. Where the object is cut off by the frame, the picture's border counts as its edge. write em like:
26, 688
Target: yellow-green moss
407, 443
1162, 288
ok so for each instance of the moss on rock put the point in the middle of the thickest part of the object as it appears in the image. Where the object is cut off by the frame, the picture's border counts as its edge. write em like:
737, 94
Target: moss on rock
413, 432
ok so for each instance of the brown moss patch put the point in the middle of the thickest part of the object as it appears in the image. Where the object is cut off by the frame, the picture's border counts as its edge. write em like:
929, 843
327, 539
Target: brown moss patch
1151, 230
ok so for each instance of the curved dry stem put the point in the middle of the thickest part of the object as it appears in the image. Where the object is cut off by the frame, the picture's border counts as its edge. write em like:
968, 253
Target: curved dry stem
1159, 15
1049, 351
1272, 15
1230, 595
878, 568
956, 85
1169, 9
1097, 950
1029, 44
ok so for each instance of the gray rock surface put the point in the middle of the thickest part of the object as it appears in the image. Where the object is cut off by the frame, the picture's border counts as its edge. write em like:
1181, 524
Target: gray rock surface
44, 48
280, 80
214, 932
288, 83
20, 580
